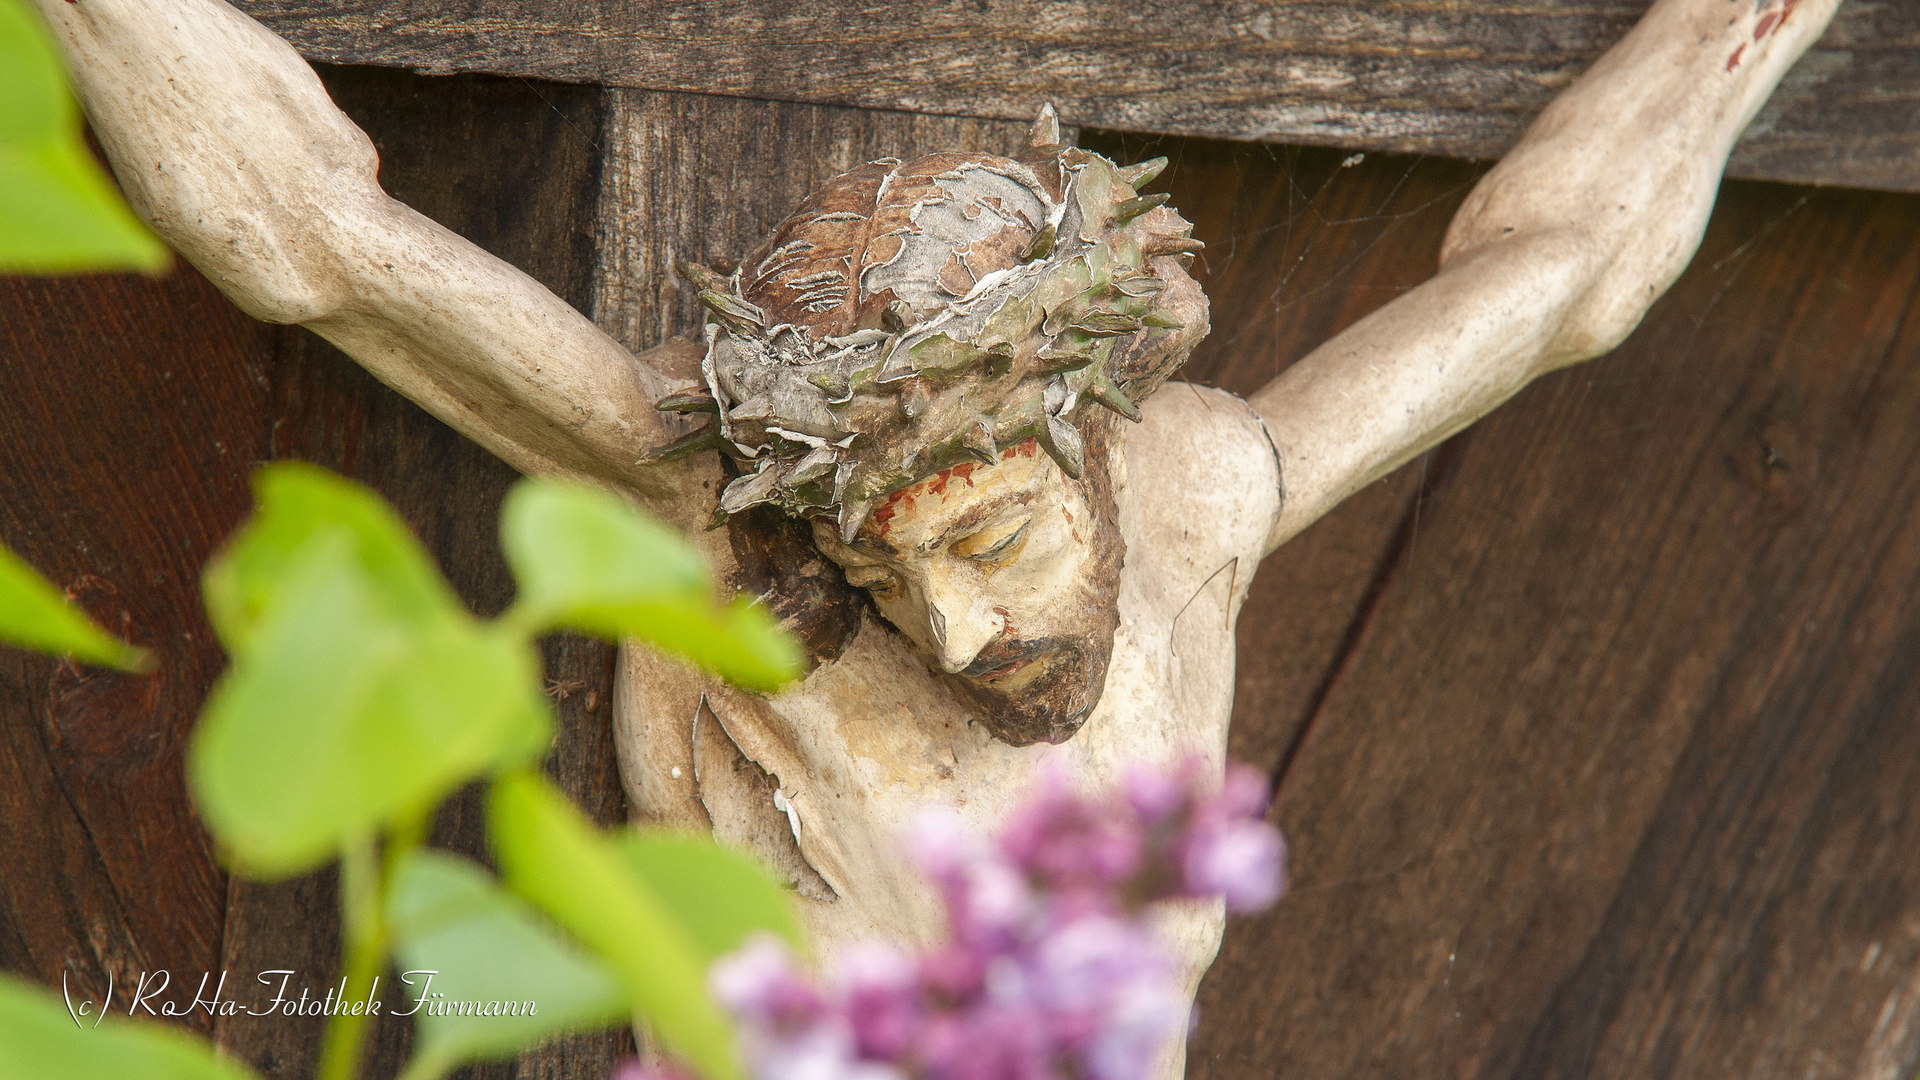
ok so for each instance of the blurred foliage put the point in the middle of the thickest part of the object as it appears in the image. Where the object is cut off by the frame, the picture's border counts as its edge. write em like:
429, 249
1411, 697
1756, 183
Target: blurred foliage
59, 213
360, 694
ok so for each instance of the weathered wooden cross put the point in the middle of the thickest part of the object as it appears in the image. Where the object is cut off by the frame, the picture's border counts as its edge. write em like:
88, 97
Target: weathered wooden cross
1088, 595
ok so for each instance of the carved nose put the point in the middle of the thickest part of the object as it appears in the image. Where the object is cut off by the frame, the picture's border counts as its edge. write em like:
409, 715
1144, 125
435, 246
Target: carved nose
959, 639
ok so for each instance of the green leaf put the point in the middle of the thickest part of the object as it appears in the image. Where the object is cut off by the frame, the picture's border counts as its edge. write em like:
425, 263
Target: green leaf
33, 615
360, 692
575, 548
586, 560
294, 501
482, 945
551, 855
58, 211
41, 1040
721, 896
740, 642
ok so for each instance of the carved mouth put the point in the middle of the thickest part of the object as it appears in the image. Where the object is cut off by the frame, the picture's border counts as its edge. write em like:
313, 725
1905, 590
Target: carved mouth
1003, 670
1002, 663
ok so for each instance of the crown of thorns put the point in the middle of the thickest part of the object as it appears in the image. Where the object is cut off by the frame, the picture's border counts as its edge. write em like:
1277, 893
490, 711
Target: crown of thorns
910, 317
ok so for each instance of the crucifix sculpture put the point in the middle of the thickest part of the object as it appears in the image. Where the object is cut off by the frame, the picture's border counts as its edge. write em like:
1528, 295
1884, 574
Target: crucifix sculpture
939, 381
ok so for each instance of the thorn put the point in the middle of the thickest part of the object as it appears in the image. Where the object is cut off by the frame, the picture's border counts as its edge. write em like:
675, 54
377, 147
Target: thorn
687, 401
1108, 393
733, 311
1171, 245
1142, 173
914, 398
1062, 443
837, 385
818, 463
852, 516
1133, 208
1140, 287
977, 440
707, 438
751, 489
1041, 247
1054, 396
897, 316
699, 276
1045, 132
1105, 323
757, 407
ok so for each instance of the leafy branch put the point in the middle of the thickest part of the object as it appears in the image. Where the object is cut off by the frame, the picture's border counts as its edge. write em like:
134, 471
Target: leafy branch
361, 694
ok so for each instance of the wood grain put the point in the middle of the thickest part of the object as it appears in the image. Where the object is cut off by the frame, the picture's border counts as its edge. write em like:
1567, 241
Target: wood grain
512, 166
1454, 77
1610, 771
1595, 729
130, 413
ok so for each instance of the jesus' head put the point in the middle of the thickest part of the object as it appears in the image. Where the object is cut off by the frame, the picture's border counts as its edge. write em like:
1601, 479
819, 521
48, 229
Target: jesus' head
928, 361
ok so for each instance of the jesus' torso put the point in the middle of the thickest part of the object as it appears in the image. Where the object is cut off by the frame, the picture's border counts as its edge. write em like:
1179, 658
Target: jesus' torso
841, 761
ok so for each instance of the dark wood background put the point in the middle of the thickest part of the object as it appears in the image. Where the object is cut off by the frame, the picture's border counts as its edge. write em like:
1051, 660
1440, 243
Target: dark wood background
1454, 77
1594, 730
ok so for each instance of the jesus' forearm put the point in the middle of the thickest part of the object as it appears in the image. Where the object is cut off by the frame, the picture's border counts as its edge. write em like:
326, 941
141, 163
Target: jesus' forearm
225, 140
1555, 256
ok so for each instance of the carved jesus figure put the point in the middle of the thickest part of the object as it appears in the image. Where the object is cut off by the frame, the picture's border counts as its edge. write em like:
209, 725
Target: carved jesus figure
944, 376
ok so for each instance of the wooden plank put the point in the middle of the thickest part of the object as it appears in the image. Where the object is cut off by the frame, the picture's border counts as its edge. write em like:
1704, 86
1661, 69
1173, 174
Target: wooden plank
1300, 245
513, 166
1452, 77
130, 413
1615, 775
1601, 765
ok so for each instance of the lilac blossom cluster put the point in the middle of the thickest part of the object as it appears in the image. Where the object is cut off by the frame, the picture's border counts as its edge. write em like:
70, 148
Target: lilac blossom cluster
1051, 969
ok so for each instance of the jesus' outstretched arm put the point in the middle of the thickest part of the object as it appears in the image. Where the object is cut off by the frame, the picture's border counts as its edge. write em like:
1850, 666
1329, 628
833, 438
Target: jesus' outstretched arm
224, 139
1555, 256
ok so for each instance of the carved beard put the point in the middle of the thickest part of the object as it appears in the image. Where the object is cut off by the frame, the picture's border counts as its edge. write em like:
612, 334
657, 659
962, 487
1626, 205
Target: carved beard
1076, 651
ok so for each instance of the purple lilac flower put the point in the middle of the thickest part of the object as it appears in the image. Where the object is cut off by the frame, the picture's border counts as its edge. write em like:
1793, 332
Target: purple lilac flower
1229, 850
1069, 843
1241, 861
1051, 969
987, 899
990, 1041
879, 991
1140, 1021
759, 984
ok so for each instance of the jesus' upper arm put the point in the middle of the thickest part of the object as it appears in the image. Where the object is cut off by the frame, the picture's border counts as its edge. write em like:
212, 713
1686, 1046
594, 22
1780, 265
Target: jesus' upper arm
225, 140
1553, 259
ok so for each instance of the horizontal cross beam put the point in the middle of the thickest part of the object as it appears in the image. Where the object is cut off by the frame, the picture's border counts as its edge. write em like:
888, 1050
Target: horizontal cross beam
1459, 78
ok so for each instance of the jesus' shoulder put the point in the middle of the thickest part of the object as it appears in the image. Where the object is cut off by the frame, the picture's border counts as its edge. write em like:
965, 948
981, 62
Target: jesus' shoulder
1202, 490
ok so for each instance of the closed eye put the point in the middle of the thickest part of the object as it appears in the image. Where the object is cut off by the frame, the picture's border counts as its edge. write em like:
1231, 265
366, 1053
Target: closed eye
872, 578
996, 549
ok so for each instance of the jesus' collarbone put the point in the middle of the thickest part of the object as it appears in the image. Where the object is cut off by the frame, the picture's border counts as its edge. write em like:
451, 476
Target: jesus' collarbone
1043, 579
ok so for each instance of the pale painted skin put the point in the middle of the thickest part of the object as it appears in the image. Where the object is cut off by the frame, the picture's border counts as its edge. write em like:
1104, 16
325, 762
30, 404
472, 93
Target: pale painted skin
969, 553
992, 572
867, 739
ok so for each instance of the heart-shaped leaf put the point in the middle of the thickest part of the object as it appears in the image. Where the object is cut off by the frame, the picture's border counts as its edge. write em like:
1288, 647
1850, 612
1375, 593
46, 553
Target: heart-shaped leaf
485, 975
585, 560
721, 896
295, 500
360, 691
